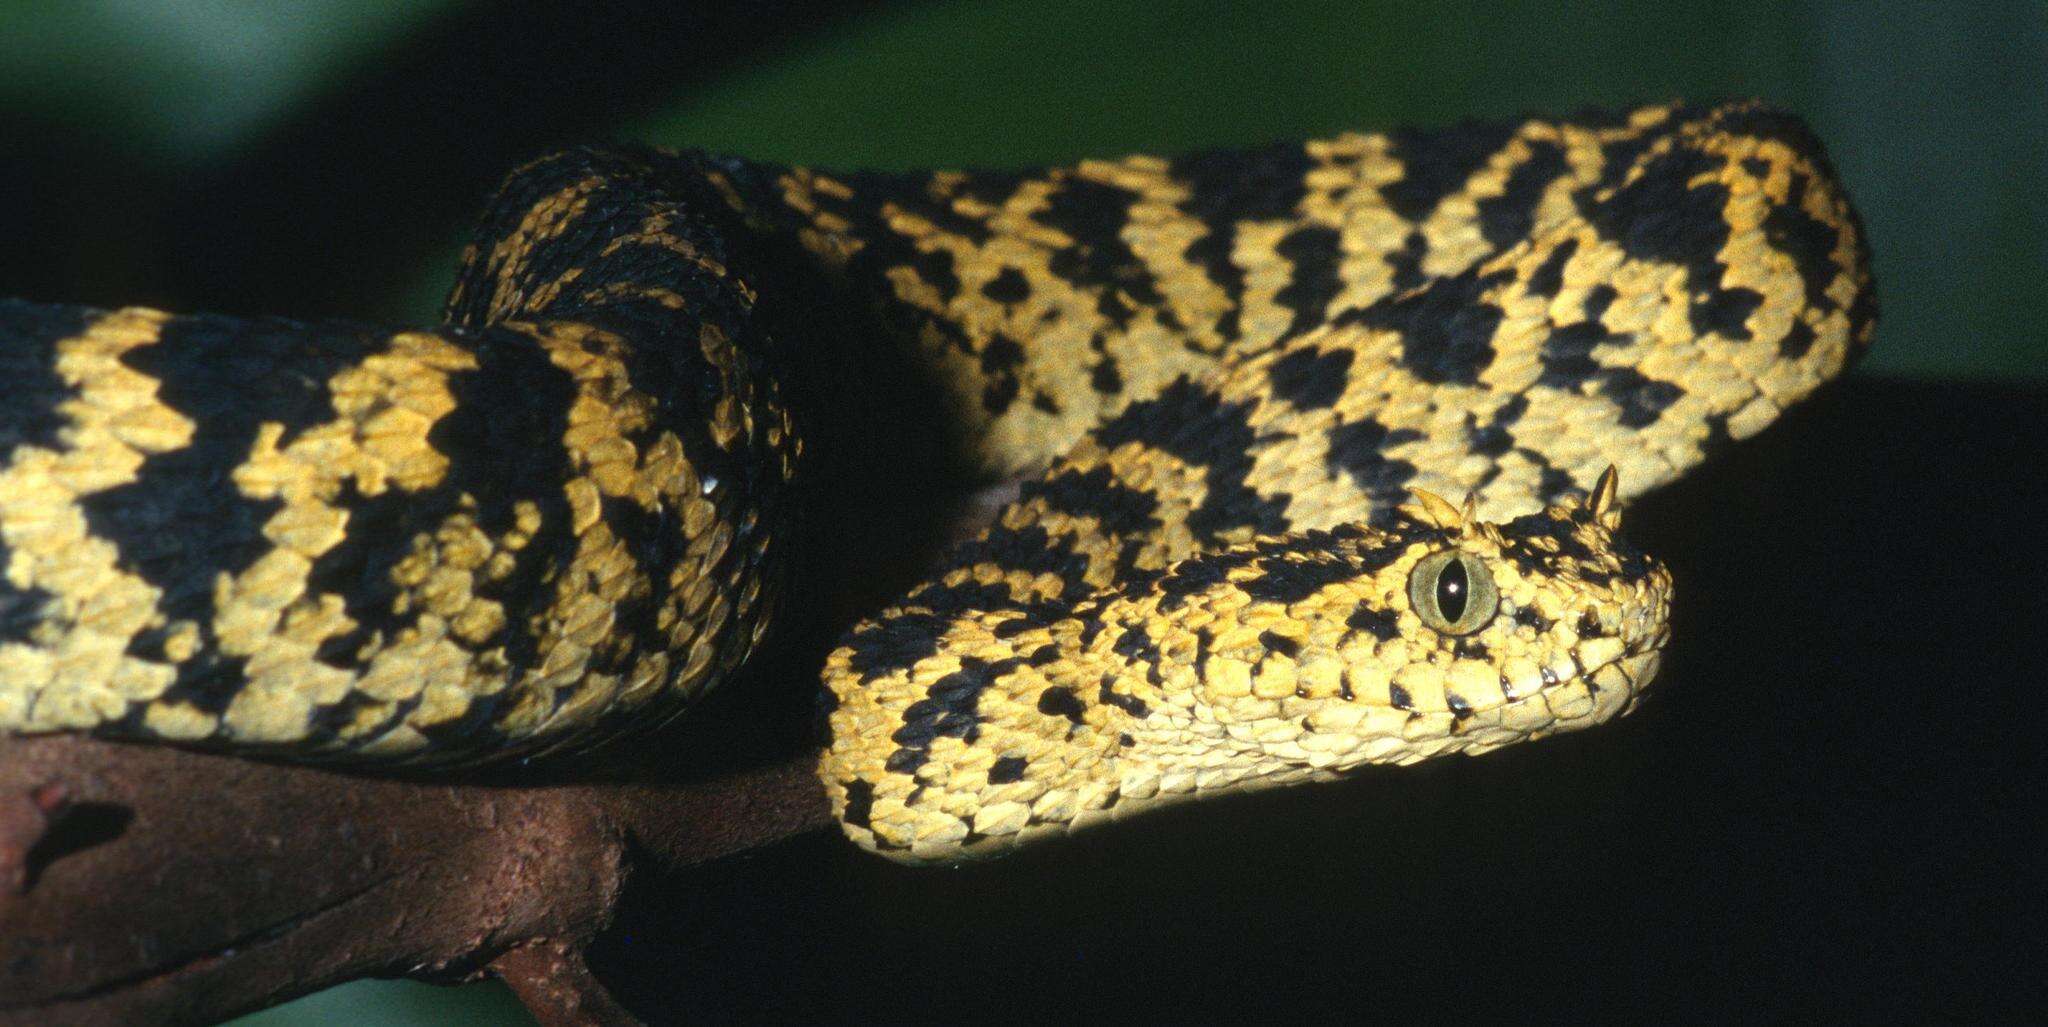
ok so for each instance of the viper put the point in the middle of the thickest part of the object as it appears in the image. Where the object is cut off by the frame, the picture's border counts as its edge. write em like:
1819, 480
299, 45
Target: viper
1323, 451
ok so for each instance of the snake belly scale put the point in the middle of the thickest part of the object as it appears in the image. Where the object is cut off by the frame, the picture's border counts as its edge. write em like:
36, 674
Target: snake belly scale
1235, 386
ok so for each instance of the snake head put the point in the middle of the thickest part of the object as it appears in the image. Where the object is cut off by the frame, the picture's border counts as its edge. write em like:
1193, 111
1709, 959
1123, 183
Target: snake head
1547, 622
1442, 633
1281, 659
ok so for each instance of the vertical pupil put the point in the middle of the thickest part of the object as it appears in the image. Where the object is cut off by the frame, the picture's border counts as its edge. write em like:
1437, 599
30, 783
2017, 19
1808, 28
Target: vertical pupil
1451, 589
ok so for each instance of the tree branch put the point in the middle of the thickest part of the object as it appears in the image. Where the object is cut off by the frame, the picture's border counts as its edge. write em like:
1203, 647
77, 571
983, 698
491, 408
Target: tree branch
152, 884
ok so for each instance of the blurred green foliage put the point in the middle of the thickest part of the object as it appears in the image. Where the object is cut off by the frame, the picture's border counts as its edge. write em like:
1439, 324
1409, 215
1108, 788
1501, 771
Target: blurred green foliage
184, 81
1936, 113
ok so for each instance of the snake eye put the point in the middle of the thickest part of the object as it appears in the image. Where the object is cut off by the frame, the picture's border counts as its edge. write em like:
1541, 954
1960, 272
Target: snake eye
1453, 593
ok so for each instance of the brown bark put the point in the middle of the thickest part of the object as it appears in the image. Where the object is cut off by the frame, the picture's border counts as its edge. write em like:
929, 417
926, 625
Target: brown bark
146, 884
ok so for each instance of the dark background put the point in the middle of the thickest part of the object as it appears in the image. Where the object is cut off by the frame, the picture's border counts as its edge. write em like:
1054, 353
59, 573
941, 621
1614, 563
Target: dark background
1826, 808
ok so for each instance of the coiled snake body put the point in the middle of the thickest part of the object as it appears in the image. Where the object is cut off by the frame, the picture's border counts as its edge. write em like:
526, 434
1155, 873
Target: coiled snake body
565, 510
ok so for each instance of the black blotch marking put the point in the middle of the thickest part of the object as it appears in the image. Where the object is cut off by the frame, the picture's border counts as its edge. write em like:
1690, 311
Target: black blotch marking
229, 377
1568, 363
1130, 704
1598, 299
1126, 740
1316, 254
1374, 621
1507, 218
860, 802
1532, 618
993, 188
1359, 450
1263, 184
1567, 355
1548, 278
1446, 327
1136, 645
1094, 214
21, 609
1006, 770
1797, 341
656, 542
872, 192
1031, 549
1635, 563
935, 266
1000, 357
1406, 263
1193, 423
1104, 376
1658, 217
1399, 697
209, 688
1642, 399
1186, 579
884, 249
1093, 628
28, 364
1809, 241
1310, 379
950, 708
998, 393
1013, 626
1495, 438
1460, 709
1280, 644
328, 722
1096, 493
1437, 163
181, 523
504, 440
1211, 253
1229, 186
1725, 311
1566, 547
1060, 701
1008, 286
1289, 580
894, 643
1551, 480
1589, 625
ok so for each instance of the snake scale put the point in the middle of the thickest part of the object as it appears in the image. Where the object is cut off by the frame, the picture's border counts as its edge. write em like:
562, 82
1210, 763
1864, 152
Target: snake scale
1234, 385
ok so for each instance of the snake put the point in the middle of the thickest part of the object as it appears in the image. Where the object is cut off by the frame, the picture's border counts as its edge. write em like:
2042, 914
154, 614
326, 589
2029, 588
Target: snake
1319, 455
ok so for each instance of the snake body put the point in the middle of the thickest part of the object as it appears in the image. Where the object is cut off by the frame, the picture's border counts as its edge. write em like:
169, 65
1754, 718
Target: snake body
1234, 385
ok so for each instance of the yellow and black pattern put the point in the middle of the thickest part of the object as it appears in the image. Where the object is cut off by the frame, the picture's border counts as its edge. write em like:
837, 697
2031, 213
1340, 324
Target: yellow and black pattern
563, 512
332, 540
1497, 313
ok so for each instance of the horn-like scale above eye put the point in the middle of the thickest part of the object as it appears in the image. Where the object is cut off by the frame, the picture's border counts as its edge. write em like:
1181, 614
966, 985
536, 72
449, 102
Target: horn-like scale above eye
1453, 592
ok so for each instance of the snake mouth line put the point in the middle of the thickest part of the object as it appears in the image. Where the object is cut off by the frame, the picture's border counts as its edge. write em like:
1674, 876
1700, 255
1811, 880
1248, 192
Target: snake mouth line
1605, 689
